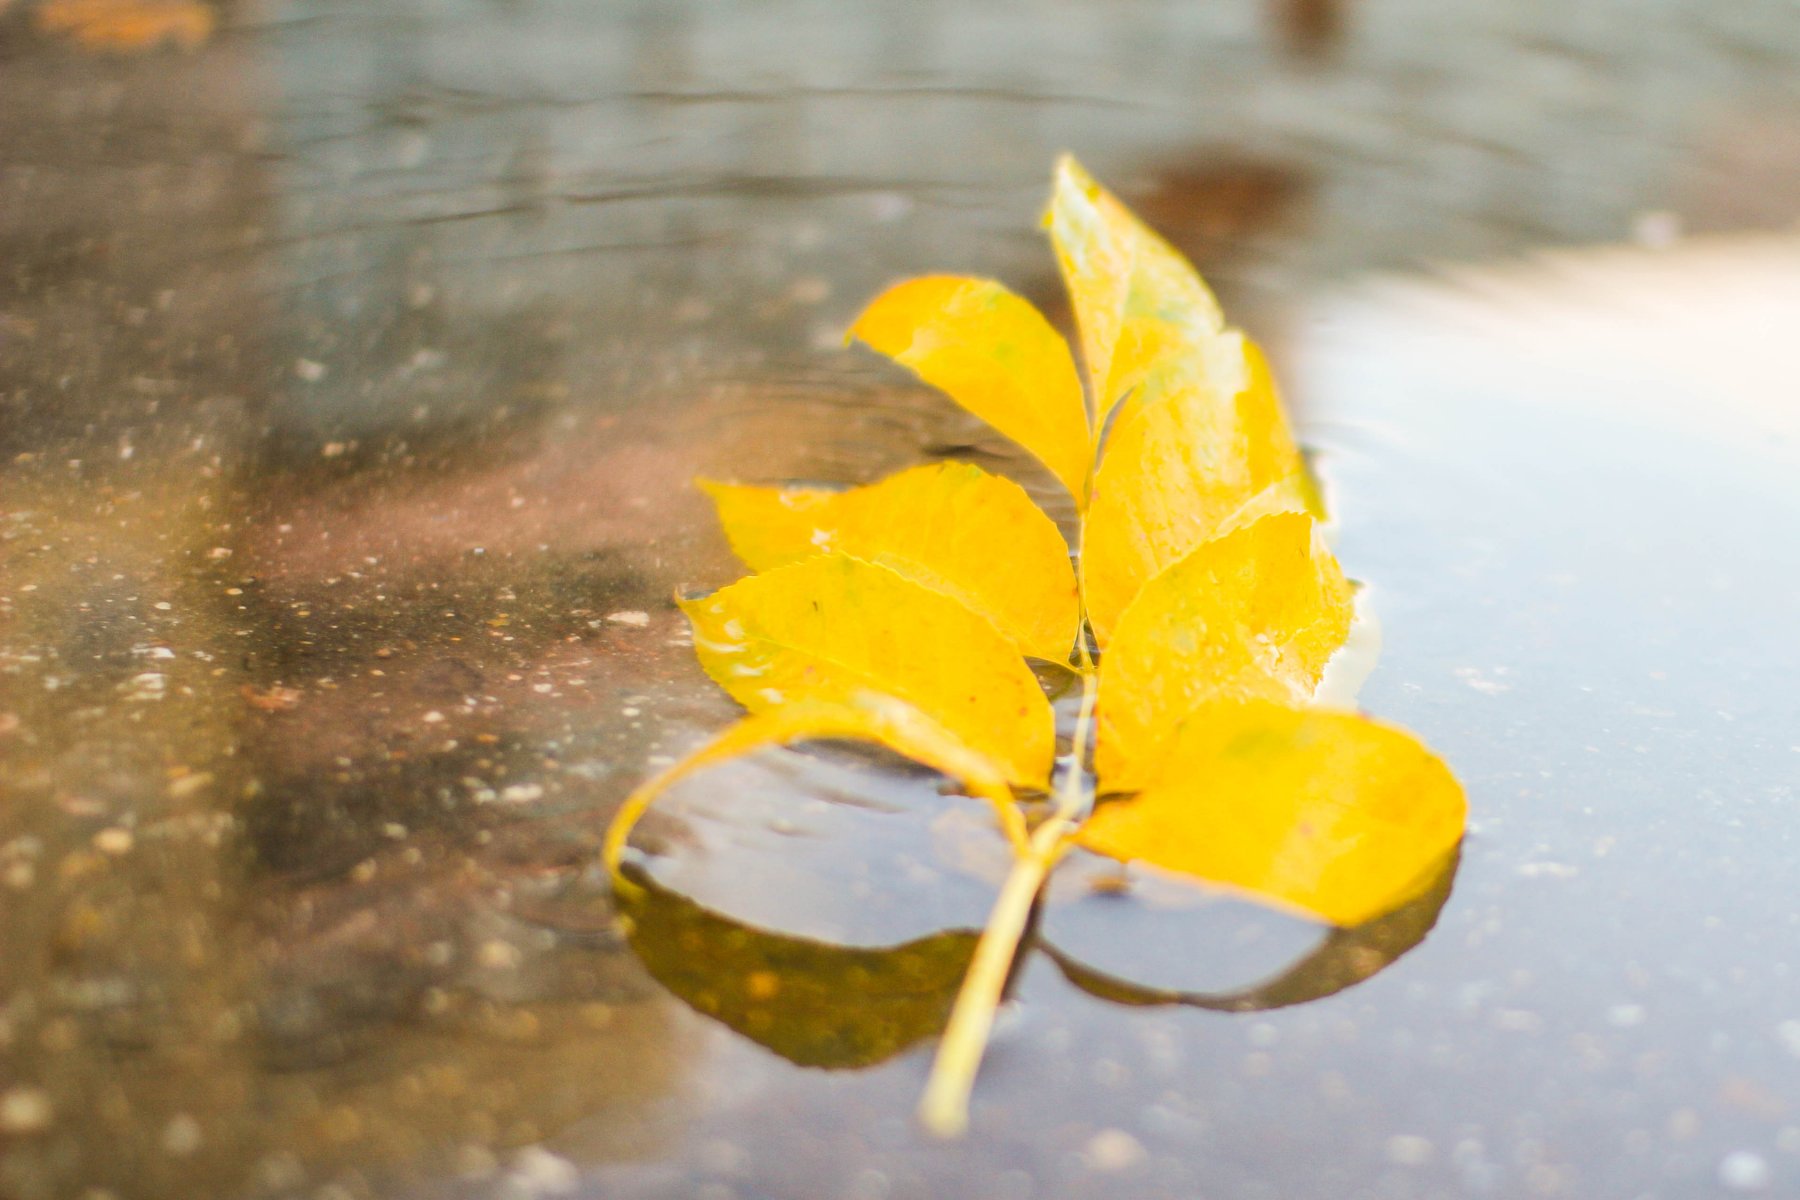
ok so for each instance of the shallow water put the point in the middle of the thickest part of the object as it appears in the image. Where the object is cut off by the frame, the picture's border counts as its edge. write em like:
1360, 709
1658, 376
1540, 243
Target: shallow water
353, 368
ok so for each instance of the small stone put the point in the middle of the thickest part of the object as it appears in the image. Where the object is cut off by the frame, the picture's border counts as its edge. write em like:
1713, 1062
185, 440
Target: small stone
633, 618
280, 1172
114, 841
1744, 1171
146, 686
1625, 1016
1113, 1150
541, 1173
1656, 229
522, 793
499, 956
1408, 1150
181, 1136
25, 1110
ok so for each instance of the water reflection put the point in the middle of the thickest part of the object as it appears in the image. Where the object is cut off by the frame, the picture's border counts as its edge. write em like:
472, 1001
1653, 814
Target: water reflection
814, 1003
818, 1002
1342, 958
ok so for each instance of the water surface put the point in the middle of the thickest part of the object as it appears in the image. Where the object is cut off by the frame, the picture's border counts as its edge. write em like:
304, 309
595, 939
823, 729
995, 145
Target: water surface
353, 368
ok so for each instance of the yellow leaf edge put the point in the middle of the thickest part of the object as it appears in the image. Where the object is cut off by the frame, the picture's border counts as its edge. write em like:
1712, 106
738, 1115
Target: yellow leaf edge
1057, 429
742, 508
1445, 833
1120, 771
1028, 765
876, 718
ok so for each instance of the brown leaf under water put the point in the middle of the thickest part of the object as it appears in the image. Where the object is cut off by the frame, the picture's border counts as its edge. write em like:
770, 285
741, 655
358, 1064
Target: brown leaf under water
123, 26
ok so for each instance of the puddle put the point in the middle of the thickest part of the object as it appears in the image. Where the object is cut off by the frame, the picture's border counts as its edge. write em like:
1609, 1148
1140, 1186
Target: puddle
353, 369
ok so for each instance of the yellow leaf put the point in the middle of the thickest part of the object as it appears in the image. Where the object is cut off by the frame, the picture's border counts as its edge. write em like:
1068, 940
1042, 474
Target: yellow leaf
1325, 813
994, 354
832, 627
1251, 615
1138, 303
852, 714
1185, 463
948, 526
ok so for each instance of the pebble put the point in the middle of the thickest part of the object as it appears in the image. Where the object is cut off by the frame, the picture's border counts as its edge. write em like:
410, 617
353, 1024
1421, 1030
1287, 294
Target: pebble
541, 1173
25, 1110
497, 955
637, 620
1744, 1171
181, 1136
114, 841
1625, 1016
1408, 1150
1113, 1150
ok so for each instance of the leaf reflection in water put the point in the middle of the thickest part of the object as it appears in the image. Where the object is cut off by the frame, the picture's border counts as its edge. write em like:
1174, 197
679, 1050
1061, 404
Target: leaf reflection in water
820, 1004
1343, 959
814, 1003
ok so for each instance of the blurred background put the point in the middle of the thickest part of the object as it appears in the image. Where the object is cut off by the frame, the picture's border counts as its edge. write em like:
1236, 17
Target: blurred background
355, 360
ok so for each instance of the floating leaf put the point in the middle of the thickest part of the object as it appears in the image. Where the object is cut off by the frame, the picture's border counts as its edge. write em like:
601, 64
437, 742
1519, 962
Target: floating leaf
1186, 462
814, 1003
900, 613
1344, 959
832, 628
994, 354
1252, 615
1325, 813
1138, 304
944, 526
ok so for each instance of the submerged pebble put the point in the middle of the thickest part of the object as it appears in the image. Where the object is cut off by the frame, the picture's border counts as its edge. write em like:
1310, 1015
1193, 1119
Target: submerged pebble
1744, 1171
25, 1110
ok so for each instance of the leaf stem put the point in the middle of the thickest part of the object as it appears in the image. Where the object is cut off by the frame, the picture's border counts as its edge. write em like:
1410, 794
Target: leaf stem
944, 1109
